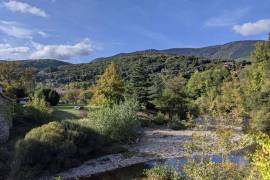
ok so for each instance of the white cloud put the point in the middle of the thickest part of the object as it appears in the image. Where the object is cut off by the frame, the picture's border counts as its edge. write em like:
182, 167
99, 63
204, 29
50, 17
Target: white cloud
62, 52
253, 28
42, 33
17, 6
227, 18
17, 30
8, 50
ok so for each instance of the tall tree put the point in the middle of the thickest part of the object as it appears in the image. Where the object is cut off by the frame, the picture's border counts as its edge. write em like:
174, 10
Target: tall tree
140, 83
109, 89
173, 100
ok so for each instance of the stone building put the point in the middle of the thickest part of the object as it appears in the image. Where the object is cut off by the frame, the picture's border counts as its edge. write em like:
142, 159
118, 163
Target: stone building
5, 103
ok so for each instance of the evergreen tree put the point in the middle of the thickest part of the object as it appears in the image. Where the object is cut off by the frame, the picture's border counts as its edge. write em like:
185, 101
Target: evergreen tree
109, 89
156, 89
173, 100
140, 83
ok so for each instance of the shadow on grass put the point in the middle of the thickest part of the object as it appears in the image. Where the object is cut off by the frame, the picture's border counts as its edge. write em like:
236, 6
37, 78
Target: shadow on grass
65, 112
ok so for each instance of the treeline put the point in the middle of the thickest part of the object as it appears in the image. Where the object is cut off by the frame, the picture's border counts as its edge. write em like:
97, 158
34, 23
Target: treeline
154, 63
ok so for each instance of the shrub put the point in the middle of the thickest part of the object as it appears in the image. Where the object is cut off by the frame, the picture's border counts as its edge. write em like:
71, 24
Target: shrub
55, 146
162, 173
118, 122
37, 110
50, 95
260, 120
160, 119
261, 157
208, 170
176, 123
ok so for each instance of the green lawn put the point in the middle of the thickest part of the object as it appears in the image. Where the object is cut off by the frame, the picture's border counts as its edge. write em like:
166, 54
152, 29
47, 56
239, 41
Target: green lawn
64, 112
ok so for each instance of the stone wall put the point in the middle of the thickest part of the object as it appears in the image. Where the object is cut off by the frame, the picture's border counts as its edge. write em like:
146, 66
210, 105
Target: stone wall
4, 124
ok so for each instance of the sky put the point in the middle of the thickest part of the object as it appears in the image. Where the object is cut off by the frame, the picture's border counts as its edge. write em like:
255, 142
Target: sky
79, 31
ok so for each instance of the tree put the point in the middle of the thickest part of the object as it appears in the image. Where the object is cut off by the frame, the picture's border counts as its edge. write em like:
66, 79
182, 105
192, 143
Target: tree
201, 82
140, 83
71, 96
173, 100
9, 71
225, 112
17, 81
51, 96
109, 89
256, 87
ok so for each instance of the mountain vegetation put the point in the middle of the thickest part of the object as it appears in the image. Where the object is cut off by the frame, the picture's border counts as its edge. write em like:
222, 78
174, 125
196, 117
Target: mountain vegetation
227, 99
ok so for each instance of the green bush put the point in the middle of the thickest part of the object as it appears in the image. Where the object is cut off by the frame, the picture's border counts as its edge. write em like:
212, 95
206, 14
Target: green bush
261, 157
162, 173
51, 96
176, 123
37, 110
160, 119
54, 147
118, 122
208, 170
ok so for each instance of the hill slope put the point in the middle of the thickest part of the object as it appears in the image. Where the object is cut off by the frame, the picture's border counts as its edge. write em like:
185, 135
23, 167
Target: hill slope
40, 64
238, 50
43, 63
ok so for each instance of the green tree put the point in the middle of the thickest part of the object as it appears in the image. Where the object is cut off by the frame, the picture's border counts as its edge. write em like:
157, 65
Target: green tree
256, 88
109, 89
51, 96
140, 83
201, 82
173, 100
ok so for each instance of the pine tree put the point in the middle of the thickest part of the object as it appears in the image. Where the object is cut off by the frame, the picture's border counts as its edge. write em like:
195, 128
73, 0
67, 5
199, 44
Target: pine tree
109, 89
140, 84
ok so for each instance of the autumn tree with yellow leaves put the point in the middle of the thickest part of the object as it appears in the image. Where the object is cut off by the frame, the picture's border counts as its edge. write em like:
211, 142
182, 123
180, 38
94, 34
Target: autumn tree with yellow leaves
109, 88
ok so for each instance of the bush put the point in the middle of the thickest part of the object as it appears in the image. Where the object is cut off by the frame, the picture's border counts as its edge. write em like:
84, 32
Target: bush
37, 110
261, 157
208, 170
260, 120
118, 122
160, 119
176, 123
51, 96
162, 173
55, 146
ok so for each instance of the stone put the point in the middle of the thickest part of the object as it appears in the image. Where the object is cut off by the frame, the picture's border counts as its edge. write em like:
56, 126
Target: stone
4, 123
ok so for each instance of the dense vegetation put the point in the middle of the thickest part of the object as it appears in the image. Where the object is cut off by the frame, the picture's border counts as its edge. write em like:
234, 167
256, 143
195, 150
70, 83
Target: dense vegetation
154, 63
117, 94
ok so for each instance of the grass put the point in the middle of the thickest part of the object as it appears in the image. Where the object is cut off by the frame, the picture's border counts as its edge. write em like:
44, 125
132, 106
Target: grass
64, 112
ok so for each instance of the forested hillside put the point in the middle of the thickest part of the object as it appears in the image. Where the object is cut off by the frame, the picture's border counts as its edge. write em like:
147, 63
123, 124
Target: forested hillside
238, 50
155, 63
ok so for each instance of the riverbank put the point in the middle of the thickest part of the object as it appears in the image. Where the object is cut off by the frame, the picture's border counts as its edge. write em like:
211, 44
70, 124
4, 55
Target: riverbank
155, 143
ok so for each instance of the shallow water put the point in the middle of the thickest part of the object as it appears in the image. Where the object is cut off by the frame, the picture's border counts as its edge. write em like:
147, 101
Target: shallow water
136, 171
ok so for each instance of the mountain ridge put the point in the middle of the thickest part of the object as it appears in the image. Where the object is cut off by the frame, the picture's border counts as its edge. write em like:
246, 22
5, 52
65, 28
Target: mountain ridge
235, 50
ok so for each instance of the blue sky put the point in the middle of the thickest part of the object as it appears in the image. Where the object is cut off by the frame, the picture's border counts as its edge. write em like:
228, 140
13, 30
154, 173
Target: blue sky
81, 30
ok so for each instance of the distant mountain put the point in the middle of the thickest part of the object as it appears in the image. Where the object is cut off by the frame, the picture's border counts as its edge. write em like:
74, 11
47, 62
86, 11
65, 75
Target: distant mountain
238, 50
41, 64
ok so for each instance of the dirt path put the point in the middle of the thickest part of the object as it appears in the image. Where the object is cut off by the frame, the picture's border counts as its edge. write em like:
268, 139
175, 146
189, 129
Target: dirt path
155, 143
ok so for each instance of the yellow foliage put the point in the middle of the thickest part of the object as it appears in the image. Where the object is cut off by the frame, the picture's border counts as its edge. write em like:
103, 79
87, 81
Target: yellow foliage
109, 88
